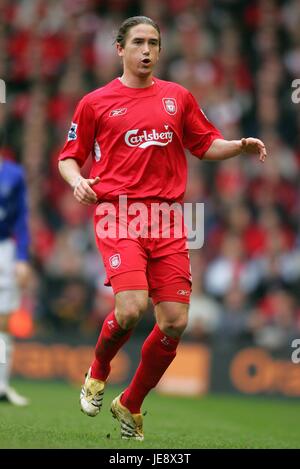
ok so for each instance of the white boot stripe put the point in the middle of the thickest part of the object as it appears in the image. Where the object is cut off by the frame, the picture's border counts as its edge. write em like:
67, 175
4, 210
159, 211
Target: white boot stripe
126, 429
88, 398
127, 425
131, 426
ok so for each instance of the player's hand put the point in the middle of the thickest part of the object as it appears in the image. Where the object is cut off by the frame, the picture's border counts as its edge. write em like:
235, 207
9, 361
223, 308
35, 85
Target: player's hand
83, 191
254, 146
23, 273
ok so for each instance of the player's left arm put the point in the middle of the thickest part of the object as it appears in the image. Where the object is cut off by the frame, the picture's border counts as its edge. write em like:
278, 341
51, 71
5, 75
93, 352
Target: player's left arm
206, 142
223, 149
21, 234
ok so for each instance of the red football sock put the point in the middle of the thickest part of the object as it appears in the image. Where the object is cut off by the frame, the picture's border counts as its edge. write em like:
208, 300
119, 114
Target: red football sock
158, 352
110, 340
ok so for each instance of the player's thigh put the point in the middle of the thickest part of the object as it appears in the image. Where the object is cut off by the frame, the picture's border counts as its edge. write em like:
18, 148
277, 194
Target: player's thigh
169, 278
132, 302
121, 256
131, 299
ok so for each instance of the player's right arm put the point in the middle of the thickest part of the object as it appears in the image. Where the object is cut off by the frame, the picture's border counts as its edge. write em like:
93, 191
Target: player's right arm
78, 147
82, 188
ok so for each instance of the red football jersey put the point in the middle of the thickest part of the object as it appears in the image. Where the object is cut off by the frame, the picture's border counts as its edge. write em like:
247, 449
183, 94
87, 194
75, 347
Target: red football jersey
137, 138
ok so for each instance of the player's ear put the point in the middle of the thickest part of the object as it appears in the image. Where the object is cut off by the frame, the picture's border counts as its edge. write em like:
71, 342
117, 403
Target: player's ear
120, 50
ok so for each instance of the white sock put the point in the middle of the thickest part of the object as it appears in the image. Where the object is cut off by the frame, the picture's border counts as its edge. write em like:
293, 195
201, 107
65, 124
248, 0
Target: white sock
5, 360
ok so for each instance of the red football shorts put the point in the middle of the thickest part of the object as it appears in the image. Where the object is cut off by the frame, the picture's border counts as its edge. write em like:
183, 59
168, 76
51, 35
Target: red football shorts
136, 258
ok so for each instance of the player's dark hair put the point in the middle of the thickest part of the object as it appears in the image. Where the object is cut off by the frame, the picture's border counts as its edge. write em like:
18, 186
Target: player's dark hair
134, 21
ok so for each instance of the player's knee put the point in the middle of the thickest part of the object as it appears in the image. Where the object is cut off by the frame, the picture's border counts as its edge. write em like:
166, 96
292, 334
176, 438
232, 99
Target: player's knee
128, 315
173, 328
172, 319
130, 308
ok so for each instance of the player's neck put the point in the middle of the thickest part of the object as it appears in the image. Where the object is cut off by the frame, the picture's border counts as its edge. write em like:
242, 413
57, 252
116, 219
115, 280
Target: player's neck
136, 82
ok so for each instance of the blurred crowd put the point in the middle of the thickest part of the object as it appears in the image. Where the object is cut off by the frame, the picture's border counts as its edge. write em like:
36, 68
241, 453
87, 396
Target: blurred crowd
239, 59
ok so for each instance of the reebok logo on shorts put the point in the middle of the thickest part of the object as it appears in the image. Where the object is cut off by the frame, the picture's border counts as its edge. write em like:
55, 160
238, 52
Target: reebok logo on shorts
183, 292
115, 261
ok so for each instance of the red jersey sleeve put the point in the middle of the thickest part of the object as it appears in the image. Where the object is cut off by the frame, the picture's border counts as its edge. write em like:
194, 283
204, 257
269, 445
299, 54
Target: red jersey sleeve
81, 136
198, 132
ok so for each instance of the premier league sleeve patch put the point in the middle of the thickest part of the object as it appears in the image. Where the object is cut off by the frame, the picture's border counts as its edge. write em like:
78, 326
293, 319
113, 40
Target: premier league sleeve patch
72, 135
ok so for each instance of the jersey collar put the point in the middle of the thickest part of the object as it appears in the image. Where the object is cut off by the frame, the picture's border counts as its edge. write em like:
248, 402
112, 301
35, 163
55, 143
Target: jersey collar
136, 92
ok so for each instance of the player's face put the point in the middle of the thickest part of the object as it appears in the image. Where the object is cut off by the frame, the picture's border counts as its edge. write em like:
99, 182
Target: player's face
141, 50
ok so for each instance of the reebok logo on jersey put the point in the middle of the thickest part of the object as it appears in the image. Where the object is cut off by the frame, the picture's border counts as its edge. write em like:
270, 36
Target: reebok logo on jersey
143, 139
118, 112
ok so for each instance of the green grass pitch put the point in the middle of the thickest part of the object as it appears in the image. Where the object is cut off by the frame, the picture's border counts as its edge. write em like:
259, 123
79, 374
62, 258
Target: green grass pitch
53, 420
